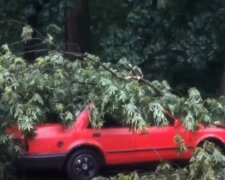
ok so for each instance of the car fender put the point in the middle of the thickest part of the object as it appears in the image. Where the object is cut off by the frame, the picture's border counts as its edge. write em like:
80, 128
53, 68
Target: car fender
85, 143
208, 136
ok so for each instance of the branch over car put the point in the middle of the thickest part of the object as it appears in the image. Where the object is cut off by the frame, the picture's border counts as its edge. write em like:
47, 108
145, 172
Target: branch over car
82, 150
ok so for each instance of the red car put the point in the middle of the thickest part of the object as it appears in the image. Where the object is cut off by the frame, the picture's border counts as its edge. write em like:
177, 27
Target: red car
82, 150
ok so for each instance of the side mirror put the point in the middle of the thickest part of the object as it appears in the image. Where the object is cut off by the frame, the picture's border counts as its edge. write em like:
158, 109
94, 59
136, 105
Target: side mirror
177, 123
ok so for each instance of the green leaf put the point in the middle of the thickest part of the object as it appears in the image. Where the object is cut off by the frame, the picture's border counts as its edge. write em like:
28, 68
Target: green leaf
27, 32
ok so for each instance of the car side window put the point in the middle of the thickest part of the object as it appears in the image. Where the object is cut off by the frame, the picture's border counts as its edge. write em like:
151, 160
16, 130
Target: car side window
110, 121
170, 119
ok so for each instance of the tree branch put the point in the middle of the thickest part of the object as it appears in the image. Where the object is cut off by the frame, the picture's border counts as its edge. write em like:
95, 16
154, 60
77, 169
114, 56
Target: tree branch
124, 78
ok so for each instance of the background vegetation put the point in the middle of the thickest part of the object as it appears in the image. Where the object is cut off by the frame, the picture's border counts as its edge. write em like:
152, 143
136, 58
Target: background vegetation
43, 64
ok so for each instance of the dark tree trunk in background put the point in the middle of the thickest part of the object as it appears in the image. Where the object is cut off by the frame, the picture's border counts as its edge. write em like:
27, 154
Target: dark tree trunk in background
31, 45
78, 34
222, 87
154, 3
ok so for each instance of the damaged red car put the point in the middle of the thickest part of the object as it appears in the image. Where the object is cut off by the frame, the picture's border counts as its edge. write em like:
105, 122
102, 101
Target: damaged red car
82, 150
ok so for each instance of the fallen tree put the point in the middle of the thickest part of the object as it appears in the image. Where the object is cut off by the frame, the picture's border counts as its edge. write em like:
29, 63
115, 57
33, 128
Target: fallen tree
30, 93
56, 88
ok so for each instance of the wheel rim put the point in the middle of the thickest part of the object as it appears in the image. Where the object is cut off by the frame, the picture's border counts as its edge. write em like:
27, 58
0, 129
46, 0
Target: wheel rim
84, 166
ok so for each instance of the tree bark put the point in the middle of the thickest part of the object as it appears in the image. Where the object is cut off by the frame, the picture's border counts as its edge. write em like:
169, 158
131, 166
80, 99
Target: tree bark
222, 87
154, 3
31, 45
78, 34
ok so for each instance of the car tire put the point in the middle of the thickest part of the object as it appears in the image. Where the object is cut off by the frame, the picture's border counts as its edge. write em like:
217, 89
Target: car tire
83, 165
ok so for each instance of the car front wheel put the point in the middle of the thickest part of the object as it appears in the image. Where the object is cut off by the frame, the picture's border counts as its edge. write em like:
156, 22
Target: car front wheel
83, 165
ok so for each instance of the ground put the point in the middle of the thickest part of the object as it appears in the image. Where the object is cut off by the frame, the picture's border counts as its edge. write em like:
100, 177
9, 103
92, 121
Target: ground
107, 172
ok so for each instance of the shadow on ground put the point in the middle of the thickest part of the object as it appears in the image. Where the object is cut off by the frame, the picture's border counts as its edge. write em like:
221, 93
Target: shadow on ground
106, 172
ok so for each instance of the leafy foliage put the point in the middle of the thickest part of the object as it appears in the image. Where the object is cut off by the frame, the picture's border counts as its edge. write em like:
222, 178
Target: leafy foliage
46, 16
206, 164
55, 85
169, 39
9, 149
181, 144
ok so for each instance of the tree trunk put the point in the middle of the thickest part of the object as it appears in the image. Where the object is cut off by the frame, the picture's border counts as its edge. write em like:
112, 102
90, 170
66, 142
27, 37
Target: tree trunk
78, 34
222, 87
154, 3
30, 46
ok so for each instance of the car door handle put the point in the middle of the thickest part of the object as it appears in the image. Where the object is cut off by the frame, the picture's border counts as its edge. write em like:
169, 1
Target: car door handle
96, 134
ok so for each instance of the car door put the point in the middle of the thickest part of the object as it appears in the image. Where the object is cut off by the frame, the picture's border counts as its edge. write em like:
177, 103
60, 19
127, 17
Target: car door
116, 140
158, 143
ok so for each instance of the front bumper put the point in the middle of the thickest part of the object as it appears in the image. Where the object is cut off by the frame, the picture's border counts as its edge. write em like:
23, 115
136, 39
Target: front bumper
42, 161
